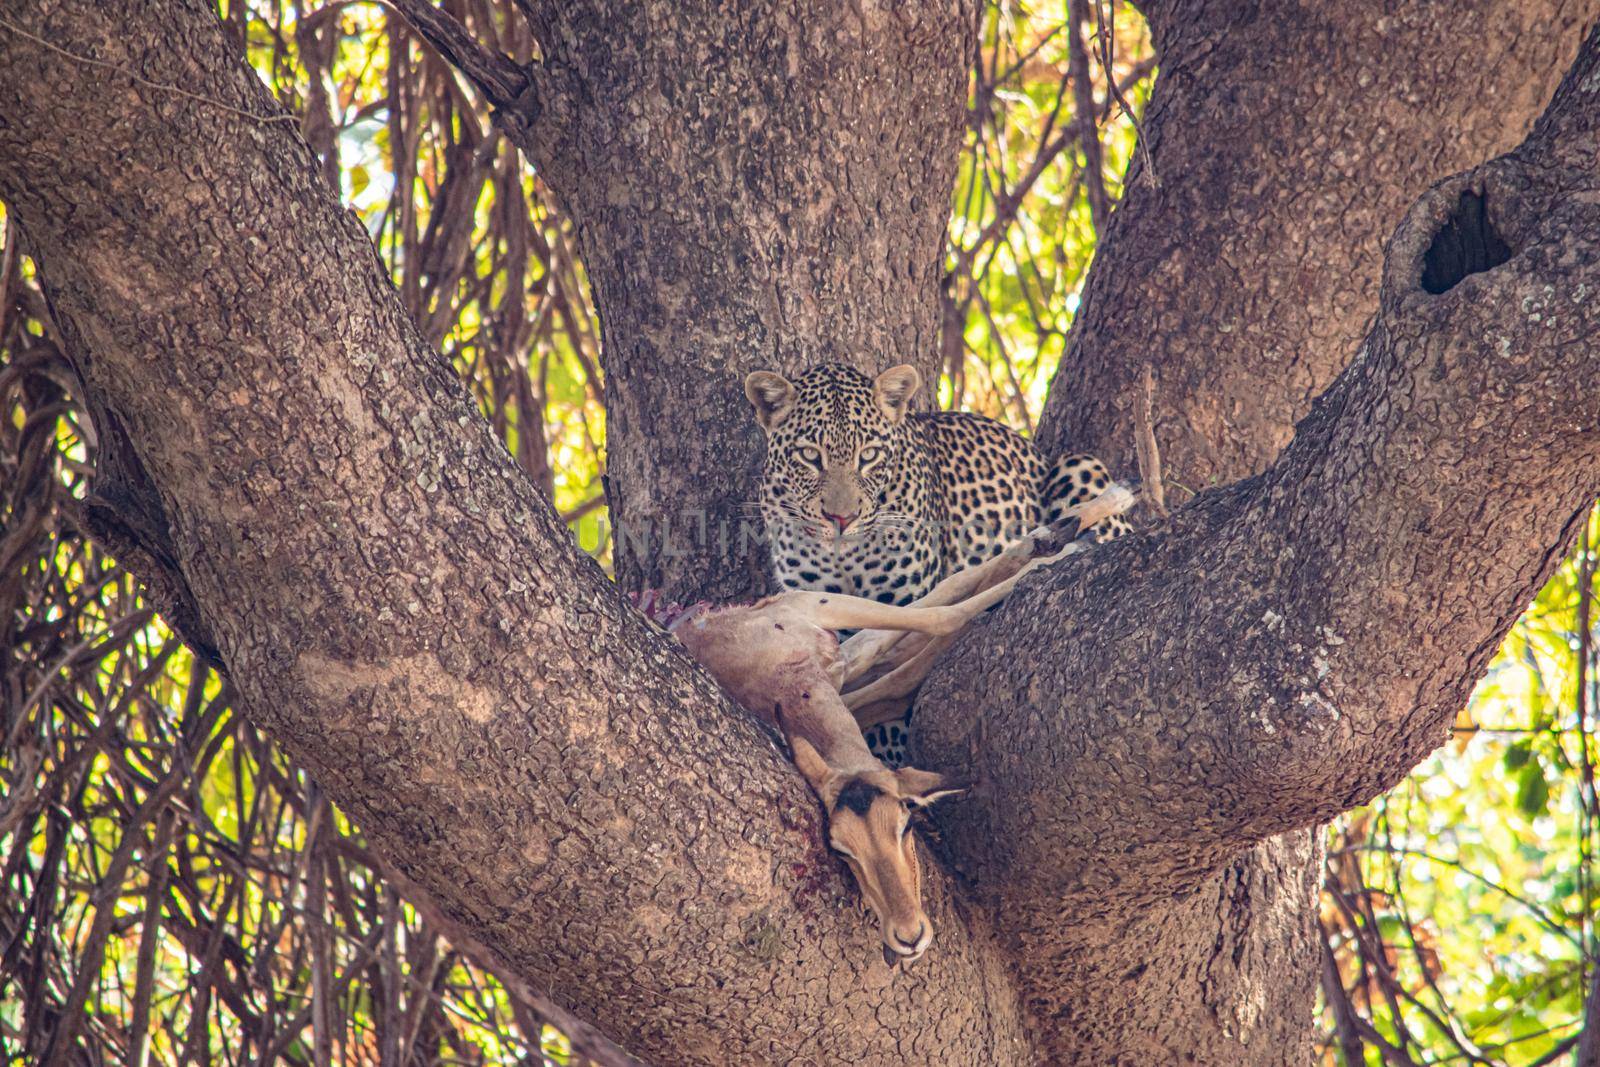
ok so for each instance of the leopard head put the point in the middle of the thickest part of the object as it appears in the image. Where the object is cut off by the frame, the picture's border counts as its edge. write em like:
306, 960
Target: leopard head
838, 448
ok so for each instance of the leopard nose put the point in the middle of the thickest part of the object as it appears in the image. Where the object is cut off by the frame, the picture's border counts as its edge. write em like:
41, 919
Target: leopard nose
841, 521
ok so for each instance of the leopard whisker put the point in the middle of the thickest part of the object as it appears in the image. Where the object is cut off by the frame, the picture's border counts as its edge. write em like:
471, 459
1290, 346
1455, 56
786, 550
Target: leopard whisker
767, 507
894, 523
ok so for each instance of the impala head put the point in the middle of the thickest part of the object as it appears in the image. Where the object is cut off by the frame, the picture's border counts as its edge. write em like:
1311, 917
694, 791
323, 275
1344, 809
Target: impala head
869, 823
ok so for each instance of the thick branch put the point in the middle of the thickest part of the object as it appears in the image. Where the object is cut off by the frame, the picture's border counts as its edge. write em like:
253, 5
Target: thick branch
1289, 646
400, 609
1288, 142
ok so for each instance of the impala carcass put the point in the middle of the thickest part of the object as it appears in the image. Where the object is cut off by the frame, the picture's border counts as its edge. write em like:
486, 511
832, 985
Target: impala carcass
780, 659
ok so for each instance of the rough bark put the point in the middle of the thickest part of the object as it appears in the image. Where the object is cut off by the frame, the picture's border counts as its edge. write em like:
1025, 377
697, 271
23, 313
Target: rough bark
1289, 646
398, 606
402, 611
1314, 175
757, 186
1248, 275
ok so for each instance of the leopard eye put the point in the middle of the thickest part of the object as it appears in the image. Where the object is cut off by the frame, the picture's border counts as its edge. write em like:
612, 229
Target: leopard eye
871, 455
810, 456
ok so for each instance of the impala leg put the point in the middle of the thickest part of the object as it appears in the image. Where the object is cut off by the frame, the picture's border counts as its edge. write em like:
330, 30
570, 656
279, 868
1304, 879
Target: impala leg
836, 611
897, 647
916, 660
869, 647
964, 583
866, 650
917, 657
900, 682
979, 603
873, 646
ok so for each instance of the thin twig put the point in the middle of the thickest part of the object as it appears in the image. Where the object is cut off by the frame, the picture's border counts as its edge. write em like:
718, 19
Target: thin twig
1347, 1022
1107, 58
1589, 1039
496, 76
140, 79
1084, 115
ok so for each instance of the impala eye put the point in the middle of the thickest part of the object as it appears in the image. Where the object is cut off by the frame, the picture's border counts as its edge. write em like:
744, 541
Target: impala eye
869, 456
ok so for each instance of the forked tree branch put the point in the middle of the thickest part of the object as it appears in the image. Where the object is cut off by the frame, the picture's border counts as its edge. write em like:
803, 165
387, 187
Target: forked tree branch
402, 611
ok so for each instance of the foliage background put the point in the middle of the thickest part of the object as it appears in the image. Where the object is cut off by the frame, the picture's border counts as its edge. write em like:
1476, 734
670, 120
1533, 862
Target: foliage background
173, 890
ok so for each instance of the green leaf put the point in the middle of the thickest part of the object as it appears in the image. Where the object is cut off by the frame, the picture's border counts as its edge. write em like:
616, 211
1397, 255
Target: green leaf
1533, 792
1517, 755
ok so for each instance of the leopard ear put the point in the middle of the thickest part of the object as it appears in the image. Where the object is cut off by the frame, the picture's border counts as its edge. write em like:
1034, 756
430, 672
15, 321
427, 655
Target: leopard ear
771, 395
894, 389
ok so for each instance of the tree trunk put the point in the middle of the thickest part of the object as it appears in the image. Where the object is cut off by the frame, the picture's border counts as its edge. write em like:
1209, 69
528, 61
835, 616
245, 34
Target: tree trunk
403, 612
757, 186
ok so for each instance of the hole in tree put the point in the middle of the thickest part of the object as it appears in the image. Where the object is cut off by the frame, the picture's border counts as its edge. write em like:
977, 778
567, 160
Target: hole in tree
1465, 244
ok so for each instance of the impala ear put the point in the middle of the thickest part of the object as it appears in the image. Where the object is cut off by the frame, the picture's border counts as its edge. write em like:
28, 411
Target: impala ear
812, 767
921, 788
894, 389
771, 395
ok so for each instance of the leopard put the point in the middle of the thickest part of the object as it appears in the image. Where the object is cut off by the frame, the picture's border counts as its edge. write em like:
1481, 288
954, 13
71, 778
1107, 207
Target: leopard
861, 495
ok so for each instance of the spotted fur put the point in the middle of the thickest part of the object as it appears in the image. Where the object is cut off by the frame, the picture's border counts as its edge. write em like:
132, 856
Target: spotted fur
861, 497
